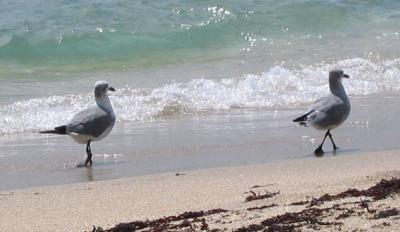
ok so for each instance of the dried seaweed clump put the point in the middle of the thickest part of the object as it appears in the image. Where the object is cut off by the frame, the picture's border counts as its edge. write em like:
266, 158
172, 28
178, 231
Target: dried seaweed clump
312, 217
290, 222
378, 192
166, 223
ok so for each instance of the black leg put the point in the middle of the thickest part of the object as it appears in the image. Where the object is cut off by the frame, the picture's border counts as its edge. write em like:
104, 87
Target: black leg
319, 150
333, 143
89, 155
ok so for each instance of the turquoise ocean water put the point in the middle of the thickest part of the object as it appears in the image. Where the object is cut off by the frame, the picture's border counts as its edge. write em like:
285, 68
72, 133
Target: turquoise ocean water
72, 36
169, 57
200, 84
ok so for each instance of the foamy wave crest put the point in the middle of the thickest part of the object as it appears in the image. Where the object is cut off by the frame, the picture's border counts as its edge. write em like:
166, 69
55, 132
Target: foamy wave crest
276, 88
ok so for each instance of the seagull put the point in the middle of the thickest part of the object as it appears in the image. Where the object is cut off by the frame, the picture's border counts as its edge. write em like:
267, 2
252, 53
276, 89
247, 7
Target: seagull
328, 112
91, 124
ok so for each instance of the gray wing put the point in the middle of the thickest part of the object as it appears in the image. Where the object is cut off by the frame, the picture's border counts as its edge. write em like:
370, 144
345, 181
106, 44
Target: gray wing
327, 111
92, 121
325, 104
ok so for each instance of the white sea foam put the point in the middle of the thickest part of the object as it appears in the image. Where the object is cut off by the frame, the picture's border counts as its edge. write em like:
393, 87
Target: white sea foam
274, 89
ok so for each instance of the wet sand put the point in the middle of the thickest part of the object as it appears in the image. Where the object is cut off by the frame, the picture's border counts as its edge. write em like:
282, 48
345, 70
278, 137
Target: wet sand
77, 207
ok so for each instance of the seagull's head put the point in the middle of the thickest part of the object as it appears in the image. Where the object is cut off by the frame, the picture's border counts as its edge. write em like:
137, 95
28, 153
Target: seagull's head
101, 88
336, 75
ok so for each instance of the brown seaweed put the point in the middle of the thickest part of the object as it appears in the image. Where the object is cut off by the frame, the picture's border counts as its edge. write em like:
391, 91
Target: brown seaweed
288, 222
379, 191
312, 216
163, 224
259, 196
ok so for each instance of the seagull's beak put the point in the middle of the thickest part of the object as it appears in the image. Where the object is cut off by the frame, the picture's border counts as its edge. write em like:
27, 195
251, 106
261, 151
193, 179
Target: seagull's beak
111, 89
346, 76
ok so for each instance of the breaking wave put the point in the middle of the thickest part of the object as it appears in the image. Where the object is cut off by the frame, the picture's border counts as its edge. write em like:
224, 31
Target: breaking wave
276, 88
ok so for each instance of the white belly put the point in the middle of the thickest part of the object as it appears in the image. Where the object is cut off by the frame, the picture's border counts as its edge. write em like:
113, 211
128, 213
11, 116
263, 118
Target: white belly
81, 138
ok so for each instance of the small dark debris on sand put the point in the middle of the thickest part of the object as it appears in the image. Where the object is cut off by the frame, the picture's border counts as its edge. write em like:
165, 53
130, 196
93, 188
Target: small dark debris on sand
262, 185
300, 203
262, 207
347, 213
166, 223
387, 213
364, 204
259, 196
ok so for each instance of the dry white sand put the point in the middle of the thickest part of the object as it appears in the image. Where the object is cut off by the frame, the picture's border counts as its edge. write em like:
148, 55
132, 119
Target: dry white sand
77, 207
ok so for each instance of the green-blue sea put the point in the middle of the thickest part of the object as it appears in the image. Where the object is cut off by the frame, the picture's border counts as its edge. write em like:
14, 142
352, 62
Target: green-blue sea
228, 62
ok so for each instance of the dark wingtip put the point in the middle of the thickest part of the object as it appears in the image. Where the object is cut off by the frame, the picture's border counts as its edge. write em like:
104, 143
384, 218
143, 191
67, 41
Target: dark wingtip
303, 118
58, 130
300, 119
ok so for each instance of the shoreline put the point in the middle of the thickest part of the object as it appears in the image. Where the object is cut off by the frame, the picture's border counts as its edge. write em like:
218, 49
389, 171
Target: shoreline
194, 142
79, 207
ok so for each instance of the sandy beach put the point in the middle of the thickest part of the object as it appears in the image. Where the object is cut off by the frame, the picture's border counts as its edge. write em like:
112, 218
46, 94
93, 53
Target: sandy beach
79, 207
